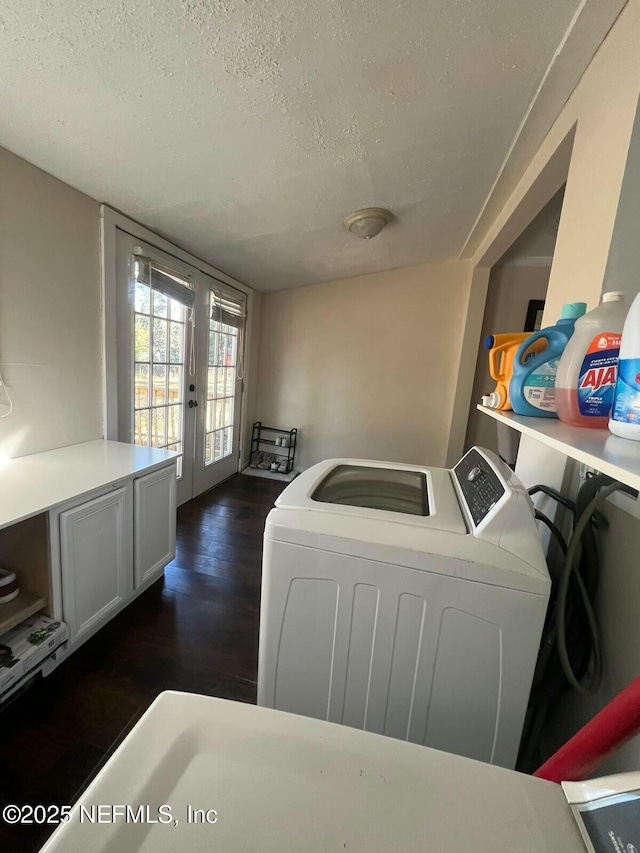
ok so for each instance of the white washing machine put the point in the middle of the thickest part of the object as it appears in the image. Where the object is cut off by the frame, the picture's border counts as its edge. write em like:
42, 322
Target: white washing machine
406, 601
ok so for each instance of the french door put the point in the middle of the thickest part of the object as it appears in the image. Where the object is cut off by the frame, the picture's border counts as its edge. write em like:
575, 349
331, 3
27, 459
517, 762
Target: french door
220, 354
180, 355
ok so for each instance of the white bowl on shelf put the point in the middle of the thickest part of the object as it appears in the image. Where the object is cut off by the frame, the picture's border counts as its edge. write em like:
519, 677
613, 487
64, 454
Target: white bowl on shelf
9, 588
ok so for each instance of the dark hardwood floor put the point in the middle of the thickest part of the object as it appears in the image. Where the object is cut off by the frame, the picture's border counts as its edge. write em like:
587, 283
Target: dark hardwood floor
196, 630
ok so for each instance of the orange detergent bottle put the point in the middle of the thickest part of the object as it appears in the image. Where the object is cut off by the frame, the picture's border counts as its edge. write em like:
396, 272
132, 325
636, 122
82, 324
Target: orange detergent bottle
502, 350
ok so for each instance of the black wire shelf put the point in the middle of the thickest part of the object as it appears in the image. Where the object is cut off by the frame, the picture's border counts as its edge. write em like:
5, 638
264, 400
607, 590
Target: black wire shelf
287, 451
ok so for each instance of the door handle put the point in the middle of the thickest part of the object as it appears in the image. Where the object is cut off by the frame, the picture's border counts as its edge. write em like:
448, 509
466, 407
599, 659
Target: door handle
193, 404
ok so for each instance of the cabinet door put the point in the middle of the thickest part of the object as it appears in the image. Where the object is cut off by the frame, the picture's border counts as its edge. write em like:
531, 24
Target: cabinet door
96, 557
154, 523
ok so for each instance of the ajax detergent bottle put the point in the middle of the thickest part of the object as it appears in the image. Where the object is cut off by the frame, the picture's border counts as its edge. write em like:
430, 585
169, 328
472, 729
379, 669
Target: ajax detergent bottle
502, 351
625, 414
532, 388
587, 371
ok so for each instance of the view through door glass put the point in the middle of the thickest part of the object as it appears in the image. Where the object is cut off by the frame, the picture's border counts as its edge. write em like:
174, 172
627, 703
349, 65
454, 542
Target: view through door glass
179, 367
160, 333
219, 374
159, 364
221, 389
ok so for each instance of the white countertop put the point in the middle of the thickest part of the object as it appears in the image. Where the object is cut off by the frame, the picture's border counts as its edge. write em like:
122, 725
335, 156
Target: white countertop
34, 484
282, 783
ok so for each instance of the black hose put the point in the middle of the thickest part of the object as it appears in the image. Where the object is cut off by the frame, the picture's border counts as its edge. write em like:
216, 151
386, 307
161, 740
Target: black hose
555, 530
590, 561
552, 493
593, 492
570, 646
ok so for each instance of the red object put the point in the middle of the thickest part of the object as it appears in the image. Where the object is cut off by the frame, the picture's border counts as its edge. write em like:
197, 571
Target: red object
609, 729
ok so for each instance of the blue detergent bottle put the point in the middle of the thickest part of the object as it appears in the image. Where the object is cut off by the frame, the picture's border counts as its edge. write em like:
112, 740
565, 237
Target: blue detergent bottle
532, 388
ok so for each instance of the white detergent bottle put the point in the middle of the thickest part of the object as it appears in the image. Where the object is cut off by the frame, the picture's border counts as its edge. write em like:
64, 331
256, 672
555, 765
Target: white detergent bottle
625, 415
586, 376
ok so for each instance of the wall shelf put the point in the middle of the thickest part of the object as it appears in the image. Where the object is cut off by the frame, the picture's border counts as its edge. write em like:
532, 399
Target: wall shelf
14, 612
598, 448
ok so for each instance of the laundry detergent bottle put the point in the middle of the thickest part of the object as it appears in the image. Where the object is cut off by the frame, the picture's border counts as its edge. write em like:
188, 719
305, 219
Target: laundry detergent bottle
587, 371
502, 351
625, 414
532, 389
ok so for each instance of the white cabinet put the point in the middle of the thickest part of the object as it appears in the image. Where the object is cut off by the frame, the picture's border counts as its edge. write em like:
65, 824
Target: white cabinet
96, 559
112, 546
67, 527
154, 521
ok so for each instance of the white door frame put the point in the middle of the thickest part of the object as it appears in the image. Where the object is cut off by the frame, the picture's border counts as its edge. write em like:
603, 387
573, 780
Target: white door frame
110, 220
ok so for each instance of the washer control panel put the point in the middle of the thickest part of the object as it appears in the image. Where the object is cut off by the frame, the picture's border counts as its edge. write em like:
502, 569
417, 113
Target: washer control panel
479, 485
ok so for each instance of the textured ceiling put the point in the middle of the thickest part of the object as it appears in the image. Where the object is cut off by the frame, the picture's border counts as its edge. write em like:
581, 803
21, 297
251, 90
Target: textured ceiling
246, 131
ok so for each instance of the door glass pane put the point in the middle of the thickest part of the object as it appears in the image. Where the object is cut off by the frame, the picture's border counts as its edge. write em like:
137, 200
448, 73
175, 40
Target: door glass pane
223, 352
158, 427
159, 341
174, 424
176, 341
227, 418
220, 382
227, 438
230, 380
159, 304
221, 348
143, 298
141, 400
175, 384
141, 427
158, 375
159, 384
141, 335
211, 383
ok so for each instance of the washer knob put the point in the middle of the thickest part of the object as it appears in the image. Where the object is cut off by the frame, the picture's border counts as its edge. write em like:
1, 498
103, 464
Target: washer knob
473, 474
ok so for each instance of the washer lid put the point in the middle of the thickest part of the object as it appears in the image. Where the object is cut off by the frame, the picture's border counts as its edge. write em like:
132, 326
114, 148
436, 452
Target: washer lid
387, 489
380, 492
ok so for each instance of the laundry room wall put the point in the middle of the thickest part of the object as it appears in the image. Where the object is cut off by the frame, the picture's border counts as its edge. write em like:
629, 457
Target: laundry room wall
49, 311
365, 367
602, 111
